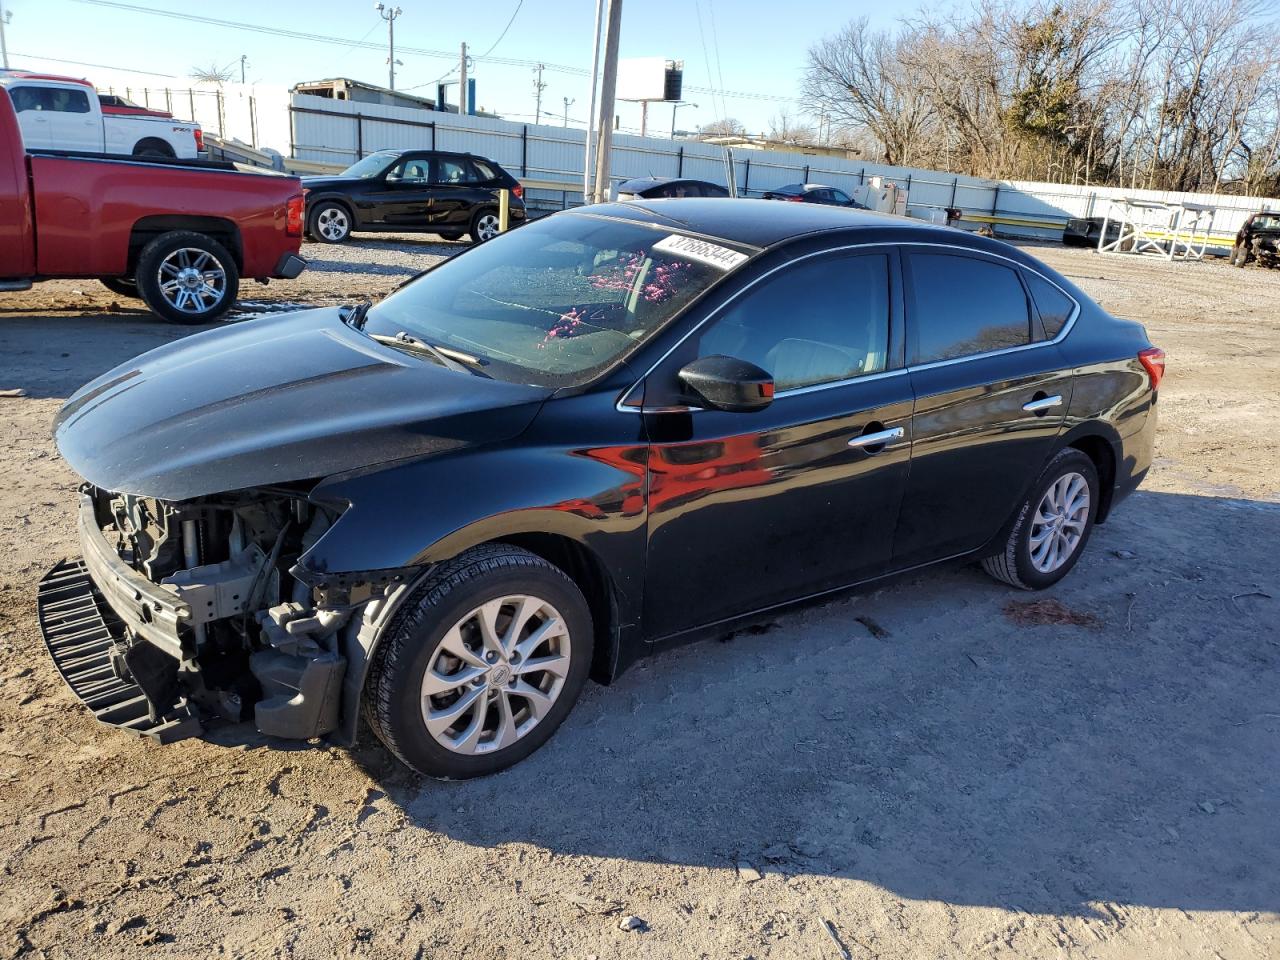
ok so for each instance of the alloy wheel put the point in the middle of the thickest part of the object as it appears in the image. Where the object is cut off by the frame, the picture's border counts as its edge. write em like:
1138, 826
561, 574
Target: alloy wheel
1059, 522
192, 280
332, 223
496, 674
487, 226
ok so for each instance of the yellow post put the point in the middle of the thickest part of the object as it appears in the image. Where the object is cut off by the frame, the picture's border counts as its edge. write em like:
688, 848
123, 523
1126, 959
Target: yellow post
504, 210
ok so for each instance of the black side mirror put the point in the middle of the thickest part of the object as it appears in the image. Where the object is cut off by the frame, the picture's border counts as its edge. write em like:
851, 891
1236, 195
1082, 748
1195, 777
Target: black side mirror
724, 383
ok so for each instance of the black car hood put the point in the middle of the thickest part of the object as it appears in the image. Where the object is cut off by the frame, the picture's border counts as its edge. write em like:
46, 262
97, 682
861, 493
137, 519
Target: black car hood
280, 399
328, 183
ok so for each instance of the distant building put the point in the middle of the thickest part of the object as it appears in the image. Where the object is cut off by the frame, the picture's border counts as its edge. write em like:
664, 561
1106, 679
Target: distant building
357, 91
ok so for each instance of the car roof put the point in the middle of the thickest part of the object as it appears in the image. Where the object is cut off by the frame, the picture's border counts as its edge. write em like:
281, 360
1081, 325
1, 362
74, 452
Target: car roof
642, 182
756, 223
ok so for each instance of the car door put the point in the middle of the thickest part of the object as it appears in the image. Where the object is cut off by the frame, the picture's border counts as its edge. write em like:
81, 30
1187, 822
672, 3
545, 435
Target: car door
75, 125
991, 391
748, 510
34, 109
403, 196
455, 191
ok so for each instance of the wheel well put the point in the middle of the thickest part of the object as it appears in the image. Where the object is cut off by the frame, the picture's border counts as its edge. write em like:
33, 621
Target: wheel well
1098, 450
585, 569
163, 146
337, 202
148, 228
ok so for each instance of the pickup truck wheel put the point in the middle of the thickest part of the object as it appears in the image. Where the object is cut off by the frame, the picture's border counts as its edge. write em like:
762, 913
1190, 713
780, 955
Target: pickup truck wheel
124, 286
329, 223
187, 277
153, 148
481, 665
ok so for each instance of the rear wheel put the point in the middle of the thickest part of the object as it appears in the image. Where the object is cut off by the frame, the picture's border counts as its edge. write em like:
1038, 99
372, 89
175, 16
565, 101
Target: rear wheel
484, 226
481, 665
187, 277
153, 148
330, 222
1051, 527
124, 286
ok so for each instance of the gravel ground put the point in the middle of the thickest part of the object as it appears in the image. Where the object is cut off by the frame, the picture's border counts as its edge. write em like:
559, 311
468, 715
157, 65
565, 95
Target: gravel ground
937, 768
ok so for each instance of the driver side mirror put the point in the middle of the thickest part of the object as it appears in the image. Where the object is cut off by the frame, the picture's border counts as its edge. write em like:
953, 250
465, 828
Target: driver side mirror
725, 383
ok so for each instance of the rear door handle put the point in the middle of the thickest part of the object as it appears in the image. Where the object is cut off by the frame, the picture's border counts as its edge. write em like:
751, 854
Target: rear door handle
879, 438
1044, 403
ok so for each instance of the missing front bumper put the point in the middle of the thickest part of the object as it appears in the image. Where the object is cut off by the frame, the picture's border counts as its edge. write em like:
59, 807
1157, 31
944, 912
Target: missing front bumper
85, 649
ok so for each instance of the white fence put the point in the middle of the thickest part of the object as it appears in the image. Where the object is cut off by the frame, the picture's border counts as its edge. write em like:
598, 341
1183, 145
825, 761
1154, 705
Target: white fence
341, 131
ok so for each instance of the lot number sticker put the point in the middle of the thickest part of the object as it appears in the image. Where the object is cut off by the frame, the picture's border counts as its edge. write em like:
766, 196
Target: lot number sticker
722, 258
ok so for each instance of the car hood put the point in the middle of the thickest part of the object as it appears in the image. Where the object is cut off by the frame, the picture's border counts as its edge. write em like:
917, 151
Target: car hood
280, 399
327, 183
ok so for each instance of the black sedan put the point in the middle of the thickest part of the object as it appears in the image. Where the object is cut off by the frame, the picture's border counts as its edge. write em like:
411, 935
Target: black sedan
657, 188
813, 193
618, 428
406, 191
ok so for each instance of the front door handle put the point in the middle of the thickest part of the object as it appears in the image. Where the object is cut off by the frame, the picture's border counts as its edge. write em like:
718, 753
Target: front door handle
877, 439
1041, 405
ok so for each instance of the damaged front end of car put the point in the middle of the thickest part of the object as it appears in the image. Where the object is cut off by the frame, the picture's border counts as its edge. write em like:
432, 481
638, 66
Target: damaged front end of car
178, 610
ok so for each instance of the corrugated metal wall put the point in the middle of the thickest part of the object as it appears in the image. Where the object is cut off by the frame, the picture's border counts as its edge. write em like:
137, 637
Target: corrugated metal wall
328, 130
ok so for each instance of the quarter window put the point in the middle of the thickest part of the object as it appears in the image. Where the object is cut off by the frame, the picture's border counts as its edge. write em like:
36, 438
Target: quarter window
1053, 305
817, 322
963, 306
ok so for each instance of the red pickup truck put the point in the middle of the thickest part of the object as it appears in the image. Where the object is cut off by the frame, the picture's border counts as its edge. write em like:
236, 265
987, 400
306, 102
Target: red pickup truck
177, 233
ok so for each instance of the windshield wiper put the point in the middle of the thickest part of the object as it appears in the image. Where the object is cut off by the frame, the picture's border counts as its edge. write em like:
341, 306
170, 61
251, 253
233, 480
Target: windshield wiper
354, 315
446, 357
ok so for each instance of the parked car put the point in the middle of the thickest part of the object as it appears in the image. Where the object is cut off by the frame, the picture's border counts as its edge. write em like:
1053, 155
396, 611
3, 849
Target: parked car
61, 113
178, 234
449, 194
1087, 231
651, 188
618, 428
1258, 239
813, 193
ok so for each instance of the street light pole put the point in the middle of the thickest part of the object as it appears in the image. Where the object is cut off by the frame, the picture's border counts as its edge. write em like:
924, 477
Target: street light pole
608, 89
567, 103
5, 17
591, 110
390, 15
676, 105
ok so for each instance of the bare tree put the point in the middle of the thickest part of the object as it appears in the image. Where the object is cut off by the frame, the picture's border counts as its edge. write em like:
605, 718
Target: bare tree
212, 74
787, 129
728, 127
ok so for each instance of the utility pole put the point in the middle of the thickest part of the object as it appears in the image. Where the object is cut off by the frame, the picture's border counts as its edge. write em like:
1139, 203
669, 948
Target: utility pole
608, 88
538, 87
243, 57
591, 110
5, 17
390, 15
462, 81
567, 103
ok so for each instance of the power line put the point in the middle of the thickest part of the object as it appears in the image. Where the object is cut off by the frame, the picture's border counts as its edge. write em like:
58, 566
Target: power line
519, 4
706, 58
96, 66
416, 51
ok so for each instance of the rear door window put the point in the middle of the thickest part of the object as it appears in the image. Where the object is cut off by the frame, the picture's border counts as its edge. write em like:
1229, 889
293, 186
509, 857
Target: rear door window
453, 170
961, 306
1054, 306
69, 101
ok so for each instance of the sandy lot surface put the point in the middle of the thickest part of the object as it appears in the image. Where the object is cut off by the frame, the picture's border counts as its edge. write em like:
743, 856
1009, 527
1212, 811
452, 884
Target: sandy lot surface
919, 771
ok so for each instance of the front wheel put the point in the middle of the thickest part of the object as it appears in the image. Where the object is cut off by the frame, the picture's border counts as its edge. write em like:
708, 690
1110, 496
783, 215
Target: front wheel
481, 665
1051, 527
187, 277
484, 226
329, 223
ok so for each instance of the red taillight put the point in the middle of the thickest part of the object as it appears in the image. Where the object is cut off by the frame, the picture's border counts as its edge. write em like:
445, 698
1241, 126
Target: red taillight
518, 192
293, 216
199, 140
1153, 359
796, 199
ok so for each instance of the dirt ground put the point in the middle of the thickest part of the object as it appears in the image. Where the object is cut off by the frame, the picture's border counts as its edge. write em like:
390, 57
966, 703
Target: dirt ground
929, 770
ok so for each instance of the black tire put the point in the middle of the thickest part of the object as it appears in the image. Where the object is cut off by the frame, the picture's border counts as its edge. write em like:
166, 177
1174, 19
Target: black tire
124, 286
1013, 564
153, 148
330, 222
484, 218
155, 253
393, 689
1239, 255
450, 236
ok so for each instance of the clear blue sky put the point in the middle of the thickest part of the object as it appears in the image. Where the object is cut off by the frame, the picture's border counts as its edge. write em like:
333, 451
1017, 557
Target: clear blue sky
761, 46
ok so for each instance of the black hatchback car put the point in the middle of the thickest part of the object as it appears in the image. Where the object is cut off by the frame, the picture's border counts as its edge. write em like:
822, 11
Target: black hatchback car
618, 428
656, 188
406, 191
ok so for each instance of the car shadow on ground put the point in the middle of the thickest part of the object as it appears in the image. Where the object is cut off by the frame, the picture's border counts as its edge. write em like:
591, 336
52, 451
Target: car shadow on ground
359, 266
934, 738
